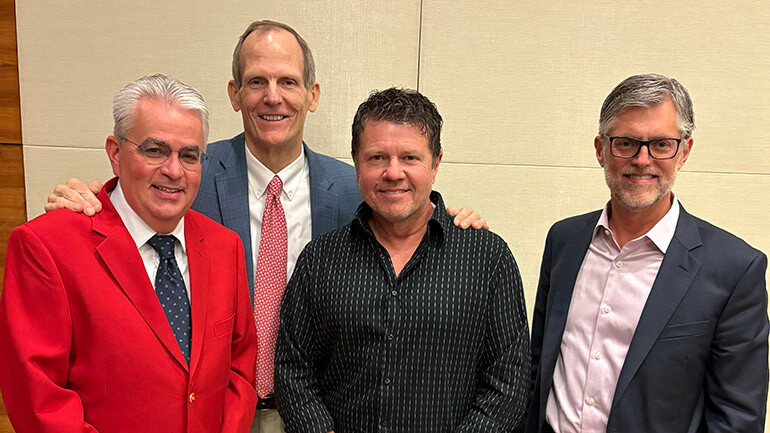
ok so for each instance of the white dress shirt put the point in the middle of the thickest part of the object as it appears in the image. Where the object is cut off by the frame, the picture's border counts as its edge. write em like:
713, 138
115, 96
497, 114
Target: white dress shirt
141, 233
295, 199
610, 292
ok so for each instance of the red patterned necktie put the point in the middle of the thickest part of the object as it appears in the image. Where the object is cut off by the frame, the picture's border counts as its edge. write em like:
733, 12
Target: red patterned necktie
269, 285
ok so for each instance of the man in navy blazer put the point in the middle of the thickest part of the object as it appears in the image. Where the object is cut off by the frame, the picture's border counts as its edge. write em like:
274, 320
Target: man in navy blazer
648, 319
223, 195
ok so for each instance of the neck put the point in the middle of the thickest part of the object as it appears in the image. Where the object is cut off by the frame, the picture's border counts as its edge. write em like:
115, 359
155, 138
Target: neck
276, 158
402, 238
628, 224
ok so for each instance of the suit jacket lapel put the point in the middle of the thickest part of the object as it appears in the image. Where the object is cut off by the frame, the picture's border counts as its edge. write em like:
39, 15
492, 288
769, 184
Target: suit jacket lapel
677, 271
232, 185
232, 188
564, 271
324, 212
121, 258
199, 262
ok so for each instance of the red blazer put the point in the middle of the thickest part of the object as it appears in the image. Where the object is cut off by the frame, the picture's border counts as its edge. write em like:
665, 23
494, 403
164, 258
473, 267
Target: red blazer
85, 345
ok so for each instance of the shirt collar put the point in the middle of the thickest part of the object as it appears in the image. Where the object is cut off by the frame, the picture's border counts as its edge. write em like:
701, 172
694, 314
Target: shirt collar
138, 229
291, 175
438, 224
661, 234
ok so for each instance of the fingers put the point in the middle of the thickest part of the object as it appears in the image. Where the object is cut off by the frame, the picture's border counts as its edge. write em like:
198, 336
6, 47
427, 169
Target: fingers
76, 196
95, 186
467, 217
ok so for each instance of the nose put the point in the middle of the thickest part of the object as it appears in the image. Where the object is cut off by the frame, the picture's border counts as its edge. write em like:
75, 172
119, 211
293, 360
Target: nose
643, 156
272, 95
394, 171
172, 167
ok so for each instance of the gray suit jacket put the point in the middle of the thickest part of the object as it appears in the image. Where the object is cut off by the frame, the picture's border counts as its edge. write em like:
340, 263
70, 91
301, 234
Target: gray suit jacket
698, 359
224, 192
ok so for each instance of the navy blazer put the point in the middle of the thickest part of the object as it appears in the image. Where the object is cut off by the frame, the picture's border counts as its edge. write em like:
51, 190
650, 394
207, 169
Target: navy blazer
224, 192
698, 359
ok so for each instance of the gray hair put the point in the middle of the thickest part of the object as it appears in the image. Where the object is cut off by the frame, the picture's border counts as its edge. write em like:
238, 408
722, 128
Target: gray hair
157, 87
263, 26
647, 90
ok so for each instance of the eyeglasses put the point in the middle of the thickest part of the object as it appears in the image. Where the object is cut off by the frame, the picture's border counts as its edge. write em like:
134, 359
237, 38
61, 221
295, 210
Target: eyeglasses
156, 152
660, 148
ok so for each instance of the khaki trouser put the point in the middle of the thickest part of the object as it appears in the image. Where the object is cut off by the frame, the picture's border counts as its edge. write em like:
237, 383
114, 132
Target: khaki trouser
267, 421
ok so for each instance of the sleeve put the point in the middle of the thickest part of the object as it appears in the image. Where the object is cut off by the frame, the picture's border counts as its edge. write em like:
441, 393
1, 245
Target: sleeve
503, 381
35, 341
240, 397
737, 375
296, 377
538, 330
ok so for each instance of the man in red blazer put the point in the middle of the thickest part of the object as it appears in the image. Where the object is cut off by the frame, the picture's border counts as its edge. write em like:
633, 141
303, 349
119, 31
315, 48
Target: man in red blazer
86, 343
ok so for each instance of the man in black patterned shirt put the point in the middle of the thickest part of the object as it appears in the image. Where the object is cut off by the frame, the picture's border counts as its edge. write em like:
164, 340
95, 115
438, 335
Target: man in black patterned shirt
400, 321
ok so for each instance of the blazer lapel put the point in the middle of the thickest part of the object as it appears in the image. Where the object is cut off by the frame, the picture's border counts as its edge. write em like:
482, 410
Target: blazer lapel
199, 262
677, 271
232, 188
118, 251
568, 257
232, 184
324, 213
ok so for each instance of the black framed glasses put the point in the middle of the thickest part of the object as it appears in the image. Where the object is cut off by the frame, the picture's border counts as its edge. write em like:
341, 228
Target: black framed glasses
156, 152
659, 148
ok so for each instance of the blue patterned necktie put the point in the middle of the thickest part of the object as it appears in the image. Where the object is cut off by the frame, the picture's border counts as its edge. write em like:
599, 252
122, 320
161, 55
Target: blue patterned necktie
169, 286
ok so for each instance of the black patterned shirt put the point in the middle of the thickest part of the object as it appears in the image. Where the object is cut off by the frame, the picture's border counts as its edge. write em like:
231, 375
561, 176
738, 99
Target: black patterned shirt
442, 347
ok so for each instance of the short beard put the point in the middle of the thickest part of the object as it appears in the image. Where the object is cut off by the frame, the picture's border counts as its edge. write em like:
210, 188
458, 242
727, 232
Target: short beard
638, 198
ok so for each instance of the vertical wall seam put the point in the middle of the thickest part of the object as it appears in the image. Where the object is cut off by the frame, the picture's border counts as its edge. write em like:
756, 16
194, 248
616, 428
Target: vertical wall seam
419, 46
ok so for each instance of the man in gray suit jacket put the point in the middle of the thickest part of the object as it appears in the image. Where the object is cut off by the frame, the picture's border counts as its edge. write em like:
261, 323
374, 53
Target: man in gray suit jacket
648, 319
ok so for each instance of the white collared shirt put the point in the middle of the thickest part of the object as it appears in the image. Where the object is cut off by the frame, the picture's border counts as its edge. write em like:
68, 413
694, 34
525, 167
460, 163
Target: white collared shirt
295, 199
610, 293
141, 233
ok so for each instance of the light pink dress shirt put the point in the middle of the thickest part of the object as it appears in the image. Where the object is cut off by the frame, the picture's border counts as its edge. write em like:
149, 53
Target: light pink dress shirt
607, 301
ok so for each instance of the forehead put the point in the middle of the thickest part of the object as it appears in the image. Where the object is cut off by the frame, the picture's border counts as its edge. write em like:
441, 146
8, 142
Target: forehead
640, 122
271, 48
385, 133
174, 125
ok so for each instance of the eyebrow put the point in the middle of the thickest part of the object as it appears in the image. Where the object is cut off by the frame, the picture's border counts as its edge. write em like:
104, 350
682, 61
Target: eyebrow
163, 143
155, 141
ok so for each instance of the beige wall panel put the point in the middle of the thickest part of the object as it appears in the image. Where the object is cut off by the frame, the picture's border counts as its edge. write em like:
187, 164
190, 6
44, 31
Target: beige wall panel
520, 82
47, 166
521, 204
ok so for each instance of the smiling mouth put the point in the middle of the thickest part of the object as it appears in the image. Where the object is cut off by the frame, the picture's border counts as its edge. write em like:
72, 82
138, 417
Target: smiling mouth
272, 118
168, 190
640, 176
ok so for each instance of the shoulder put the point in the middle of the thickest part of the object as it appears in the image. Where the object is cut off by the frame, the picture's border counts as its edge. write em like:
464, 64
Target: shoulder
576, 222
332, 241
332, 168
49, 225
484, 245
719, 245
222, 147
62, 233
568, 229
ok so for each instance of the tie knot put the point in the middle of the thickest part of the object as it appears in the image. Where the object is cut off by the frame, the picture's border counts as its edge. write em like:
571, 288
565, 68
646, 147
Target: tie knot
274, 187
164, 245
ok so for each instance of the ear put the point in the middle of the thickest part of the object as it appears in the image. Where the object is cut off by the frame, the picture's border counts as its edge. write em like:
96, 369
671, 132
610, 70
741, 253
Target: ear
685, 153
232, 92
599, 146
435, 166
314, 95
112, 146
355, 164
